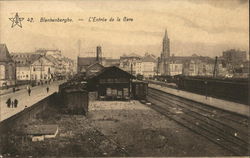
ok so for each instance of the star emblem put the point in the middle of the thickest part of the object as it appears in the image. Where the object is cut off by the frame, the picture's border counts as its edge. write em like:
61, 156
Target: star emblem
16, 21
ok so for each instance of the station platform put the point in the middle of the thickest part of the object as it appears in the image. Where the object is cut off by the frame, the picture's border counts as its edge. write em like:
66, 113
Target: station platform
233, 107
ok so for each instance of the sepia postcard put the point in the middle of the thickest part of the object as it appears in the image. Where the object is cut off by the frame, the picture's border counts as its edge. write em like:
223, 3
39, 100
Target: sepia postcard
124, 78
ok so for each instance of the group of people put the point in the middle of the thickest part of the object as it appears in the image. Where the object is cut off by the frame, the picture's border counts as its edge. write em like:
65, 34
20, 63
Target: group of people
12, 103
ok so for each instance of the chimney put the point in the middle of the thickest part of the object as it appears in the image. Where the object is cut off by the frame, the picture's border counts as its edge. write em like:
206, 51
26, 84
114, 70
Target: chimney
99, 54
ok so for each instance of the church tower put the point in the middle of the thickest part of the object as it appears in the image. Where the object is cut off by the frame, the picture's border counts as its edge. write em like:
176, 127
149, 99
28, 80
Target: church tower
165, 54
166, 45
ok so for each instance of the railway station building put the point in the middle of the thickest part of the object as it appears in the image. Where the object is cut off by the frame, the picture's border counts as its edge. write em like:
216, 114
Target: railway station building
111, 83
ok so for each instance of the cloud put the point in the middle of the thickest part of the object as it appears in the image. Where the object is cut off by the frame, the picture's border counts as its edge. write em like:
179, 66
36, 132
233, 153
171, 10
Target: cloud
230, 4
195, 24
210, 29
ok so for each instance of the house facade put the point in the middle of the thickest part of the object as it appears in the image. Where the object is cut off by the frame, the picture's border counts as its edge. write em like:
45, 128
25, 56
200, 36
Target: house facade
23, 72
148, 66
7, 67
42, 70
131, 63
23, 64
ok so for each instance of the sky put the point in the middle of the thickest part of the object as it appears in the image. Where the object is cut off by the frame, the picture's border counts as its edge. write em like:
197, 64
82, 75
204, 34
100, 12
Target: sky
202, 27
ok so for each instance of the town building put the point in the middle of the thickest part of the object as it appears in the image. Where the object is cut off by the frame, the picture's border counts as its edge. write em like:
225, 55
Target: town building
176, 67
23, 72
233, 56
233, 60
68, 65
245, 69
131, 63
7, 67
148, 66
43, 70
84, 62
64, 66
110, 62
23, 64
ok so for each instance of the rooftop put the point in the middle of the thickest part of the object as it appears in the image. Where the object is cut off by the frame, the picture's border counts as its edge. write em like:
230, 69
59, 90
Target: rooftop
24, 59
148, 59
86, 61
4, 53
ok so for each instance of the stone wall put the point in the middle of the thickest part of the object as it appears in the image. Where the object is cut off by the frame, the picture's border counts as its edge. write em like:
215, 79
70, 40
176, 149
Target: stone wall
19, 119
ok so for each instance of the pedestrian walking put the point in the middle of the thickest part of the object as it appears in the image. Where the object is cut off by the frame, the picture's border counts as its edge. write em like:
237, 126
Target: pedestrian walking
12, 104
29, 91
47, 89
8, 102
15, 103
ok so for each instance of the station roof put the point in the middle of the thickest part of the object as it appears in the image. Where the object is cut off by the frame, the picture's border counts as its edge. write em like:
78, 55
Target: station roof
112, 72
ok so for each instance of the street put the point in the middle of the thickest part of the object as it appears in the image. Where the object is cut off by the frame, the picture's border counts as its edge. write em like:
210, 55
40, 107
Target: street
37, 94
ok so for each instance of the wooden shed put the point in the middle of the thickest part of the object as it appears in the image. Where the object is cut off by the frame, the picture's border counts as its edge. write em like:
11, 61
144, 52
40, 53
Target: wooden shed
111, 83
74, 98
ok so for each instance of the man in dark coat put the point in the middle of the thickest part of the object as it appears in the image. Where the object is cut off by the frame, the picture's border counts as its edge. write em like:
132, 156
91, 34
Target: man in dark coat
29, 91
15, 103
8, 102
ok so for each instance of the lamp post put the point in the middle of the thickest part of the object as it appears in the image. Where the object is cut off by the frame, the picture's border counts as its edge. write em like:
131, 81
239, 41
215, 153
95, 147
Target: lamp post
205, 88
30, 73
41, 73
15, 65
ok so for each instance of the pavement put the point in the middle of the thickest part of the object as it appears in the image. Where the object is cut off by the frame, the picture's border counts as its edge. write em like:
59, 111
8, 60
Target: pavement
37, 93
10, 90
233, 107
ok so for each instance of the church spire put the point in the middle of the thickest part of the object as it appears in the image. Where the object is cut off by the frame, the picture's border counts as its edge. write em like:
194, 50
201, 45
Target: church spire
166, 33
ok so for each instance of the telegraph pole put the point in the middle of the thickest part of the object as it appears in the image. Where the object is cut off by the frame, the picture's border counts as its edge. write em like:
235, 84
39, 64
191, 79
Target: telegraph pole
131, 68
158, 65
15, 72
30, 73
215, 67
41, 73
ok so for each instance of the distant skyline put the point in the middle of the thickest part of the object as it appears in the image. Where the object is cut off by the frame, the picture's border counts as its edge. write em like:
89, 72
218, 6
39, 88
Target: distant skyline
202, 27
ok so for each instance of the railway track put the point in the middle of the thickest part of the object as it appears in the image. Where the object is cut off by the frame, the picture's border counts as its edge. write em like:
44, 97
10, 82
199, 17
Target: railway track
208, 122
119, 147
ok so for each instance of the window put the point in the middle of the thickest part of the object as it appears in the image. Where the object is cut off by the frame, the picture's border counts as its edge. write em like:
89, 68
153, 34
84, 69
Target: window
102, 81
176, 67
110, 80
